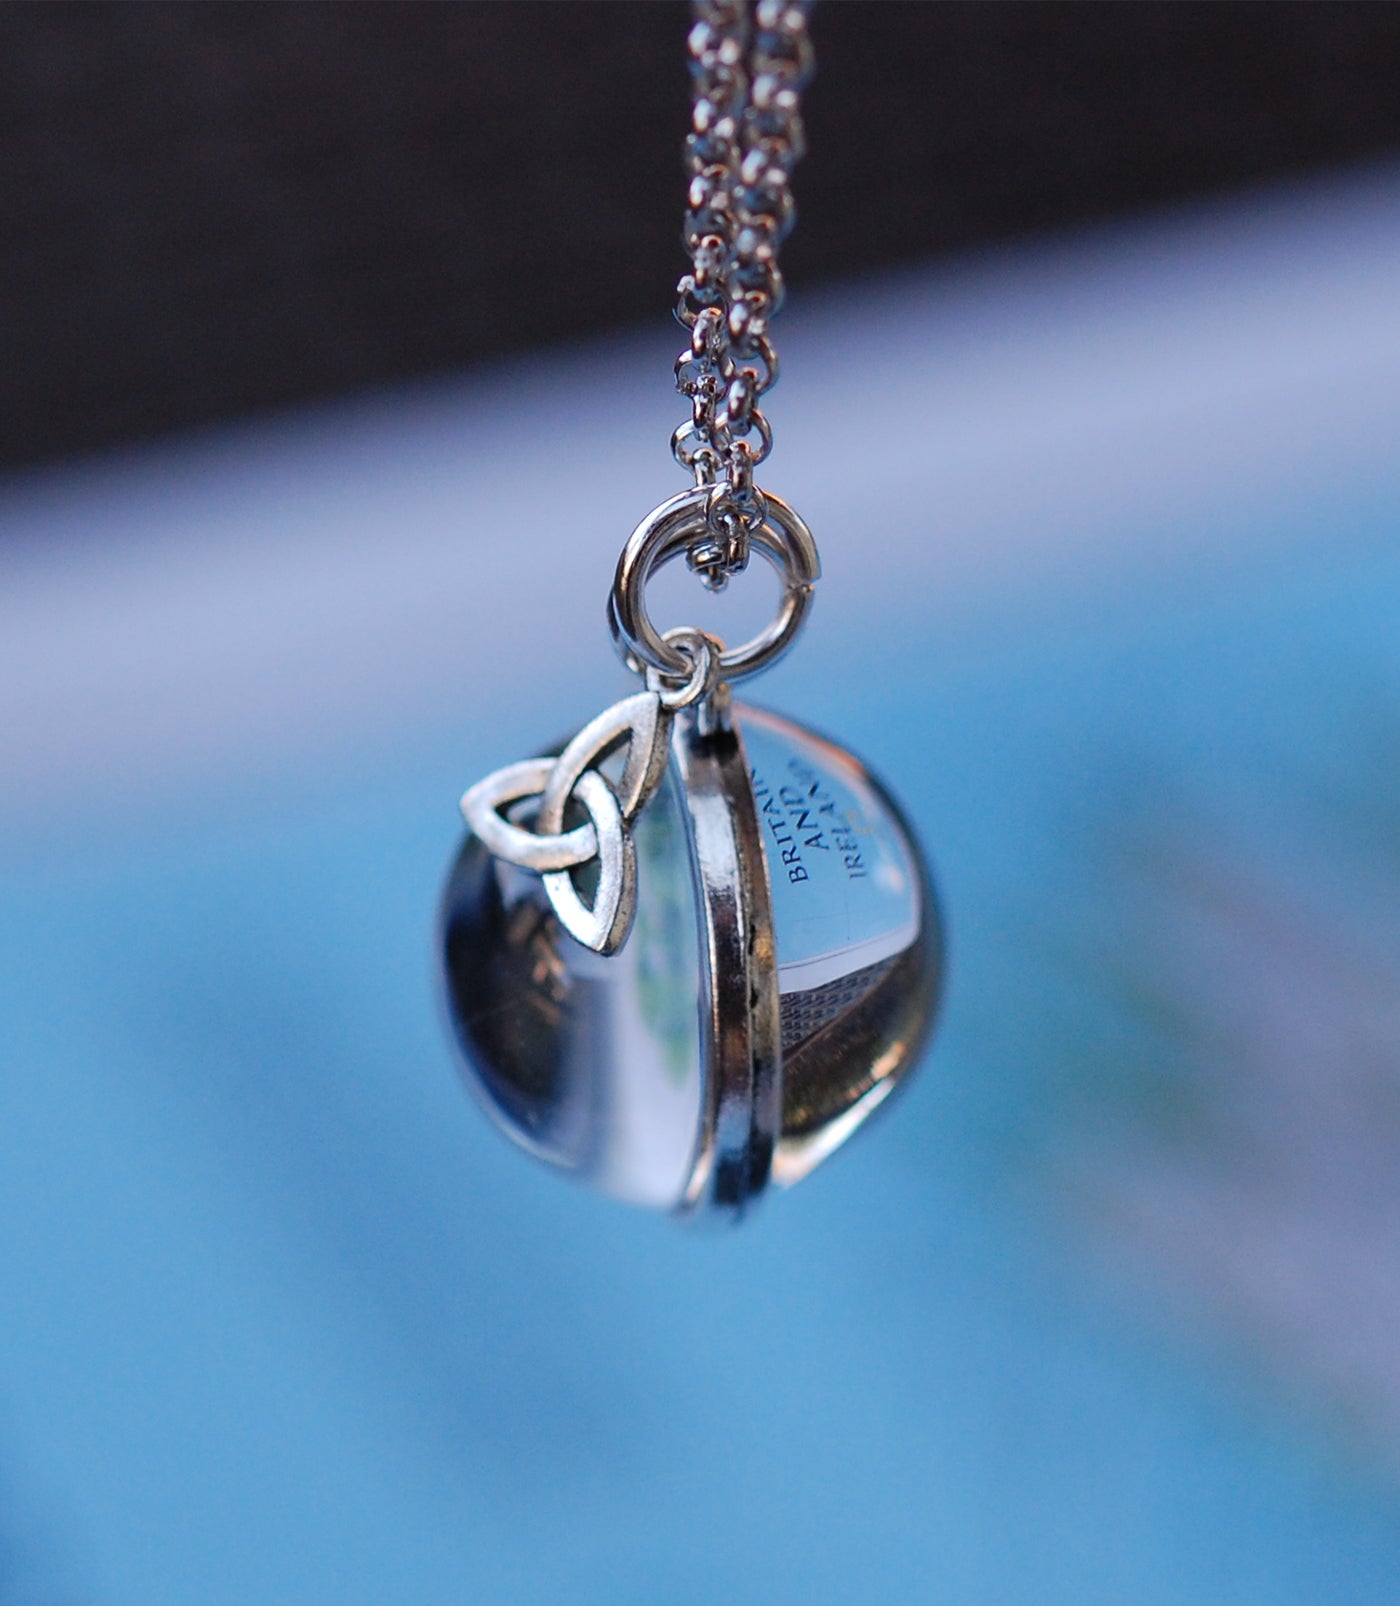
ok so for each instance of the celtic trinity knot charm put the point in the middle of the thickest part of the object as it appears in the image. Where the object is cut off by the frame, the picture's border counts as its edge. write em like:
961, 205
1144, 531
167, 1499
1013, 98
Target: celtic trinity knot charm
643, 722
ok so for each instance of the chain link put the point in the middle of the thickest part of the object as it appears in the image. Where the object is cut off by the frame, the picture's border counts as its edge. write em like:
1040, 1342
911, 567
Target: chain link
748, 68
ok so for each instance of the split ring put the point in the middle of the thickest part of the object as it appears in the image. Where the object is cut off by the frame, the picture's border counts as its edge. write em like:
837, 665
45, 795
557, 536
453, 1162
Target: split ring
672, 529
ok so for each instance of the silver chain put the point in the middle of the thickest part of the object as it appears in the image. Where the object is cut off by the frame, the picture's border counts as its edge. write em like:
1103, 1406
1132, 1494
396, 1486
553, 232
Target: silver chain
748, 69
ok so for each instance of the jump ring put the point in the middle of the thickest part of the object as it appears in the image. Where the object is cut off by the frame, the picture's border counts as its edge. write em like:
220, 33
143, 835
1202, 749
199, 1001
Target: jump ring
706, 652
670, 531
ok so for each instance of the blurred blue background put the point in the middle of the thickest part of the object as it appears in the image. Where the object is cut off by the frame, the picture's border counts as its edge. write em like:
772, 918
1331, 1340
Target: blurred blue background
1104, 1308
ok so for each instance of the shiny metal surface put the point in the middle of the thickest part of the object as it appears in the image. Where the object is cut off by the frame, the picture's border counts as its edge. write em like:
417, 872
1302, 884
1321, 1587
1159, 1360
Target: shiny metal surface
748, 67
781, 978
668, 532
739, 1017
640, 725
787, 956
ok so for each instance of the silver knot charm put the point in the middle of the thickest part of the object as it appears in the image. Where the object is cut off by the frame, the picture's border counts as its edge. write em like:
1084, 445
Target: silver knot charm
643, 723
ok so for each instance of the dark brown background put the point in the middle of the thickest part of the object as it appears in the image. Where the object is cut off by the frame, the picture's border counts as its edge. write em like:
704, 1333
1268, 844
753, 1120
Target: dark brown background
212, 208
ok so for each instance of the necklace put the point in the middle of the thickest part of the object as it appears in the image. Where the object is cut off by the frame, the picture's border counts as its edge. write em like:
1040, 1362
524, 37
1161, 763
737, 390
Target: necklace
688, 952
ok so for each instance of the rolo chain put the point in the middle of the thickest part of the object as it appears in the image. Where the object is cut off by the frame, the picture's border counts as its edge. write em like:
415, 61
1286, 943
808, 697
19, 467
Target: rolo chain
748, 68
